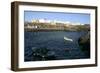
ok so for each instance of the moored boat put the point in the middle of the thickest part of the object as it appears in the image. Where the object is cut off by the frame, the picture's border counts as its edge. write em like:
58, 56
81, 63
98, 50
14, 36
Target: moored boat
68, 39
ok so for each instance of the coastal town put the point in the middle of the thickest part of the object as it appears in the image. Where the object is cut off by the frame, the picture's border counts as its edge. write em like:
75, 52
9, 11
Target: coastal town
56, 35
45, 24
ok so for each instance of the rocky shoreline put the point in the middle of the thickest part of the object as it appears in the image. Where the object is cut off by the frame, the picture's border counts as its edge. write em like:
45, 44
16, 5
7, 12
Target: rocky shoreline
84, 43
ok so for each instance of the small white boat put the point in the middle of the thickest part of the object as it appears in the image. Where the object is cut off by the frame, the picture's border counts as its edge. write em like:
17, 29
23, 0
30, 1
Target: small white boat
68, 39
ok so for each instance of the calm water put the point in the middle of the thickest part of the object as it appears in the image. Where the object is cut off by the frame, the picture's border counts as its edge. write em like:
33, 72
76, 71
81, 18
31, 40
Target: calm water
54, 40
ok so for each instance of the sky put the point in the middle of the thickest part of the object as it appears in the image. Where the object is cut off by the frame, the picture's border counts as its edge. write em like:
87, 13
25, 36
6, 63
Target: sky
59, 16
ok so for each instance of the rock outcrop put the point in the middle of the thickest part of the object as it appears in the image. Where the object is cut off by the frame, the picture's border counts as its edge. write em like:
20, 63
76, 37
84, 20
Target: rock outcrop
84, 43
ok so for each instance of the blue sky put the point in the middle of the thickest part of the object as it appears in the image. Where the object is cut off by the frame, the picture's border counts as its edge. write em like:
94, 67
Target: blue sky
61, 16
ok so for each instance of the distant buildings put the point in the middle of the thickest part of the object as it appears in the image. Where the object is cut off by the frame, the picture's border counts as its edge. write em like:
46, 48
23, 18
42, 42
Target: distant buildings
54, 22
50, 24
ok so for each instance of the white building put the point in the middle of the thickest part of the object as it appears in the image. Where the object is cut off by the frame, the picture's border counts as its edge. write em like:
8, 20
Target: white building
77, 24
44, 21
31, 26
